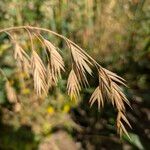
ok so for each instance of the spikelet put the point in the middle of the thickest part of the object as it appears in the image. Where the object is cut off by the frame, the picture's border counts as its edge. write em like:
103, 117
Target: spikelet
22, 58
97, 95
55, 64
73, 85
81, 64
114, 77
120, 126
39, 74
108, 89
118, 98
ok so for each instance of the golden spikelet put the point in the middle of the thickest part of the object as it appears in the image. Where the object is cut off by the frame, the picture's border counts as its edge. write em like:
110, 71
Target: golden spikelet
114, 77
120, 126
73, 85
39, 74
118, 98
111, 91
55, 64
22, 58
81, 64
97, 95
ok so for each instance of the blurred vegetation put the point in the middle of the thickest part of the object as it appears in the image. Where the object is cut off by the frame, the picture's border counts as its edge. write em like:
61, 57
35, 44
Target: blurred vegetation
117, 34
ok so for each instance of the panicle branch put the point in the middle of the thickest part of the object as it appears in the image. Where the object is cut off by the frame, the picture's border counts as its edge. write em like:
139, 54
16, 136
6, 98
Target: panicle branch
46, 75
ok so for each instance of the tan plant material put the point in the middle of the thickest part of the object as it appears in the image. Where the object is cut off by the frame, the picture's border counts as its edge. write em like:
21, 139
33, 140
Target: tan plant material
81, 64
55, 62
109, 90
97, 96
10, 93
22, 58
17, 107
44, 75
120, 126
73, 85
39, 74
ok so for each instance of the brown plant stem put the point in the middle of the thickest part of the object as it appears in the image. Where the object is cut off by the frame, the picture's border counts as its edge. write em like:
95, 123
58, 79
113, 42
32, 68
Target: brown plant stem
52, 32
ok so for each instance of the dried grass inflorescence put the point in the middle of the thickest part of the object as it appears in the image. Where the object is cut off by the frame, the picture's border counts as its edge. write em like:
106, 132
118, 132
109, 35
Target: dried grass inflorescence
47, 74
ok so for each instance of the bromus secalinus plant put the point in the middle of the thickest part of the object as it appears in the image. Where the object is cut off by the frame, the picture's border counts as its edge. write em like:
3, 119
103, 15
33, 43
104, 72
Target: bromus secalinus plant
47, 75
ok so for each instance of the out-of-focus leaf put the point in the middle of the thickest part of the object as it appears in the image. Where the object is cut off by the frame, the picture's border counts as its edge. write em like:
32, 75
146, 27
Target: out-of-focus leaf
2, 97
135, 140
8, 71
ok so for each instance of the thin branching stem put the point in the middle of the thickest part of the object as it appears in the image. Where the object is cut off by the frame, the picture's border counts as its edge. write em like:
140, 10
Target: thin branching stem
31, 38
3, 74
52, 32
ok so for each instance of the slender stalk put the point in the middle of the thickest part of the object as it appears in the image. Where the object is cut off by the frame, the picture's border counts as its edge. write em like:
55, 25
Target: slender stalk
52, 32
31, 39
3, 74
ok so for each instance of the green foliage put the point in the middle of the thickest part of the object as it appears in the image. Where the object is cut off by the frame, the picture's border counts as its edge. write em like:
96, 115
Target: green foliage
116, 33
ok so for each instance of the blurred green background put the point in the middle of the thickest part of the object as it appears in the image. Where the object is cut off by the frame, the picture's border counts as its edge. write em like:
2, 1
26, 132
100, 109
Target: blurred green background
114, 32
